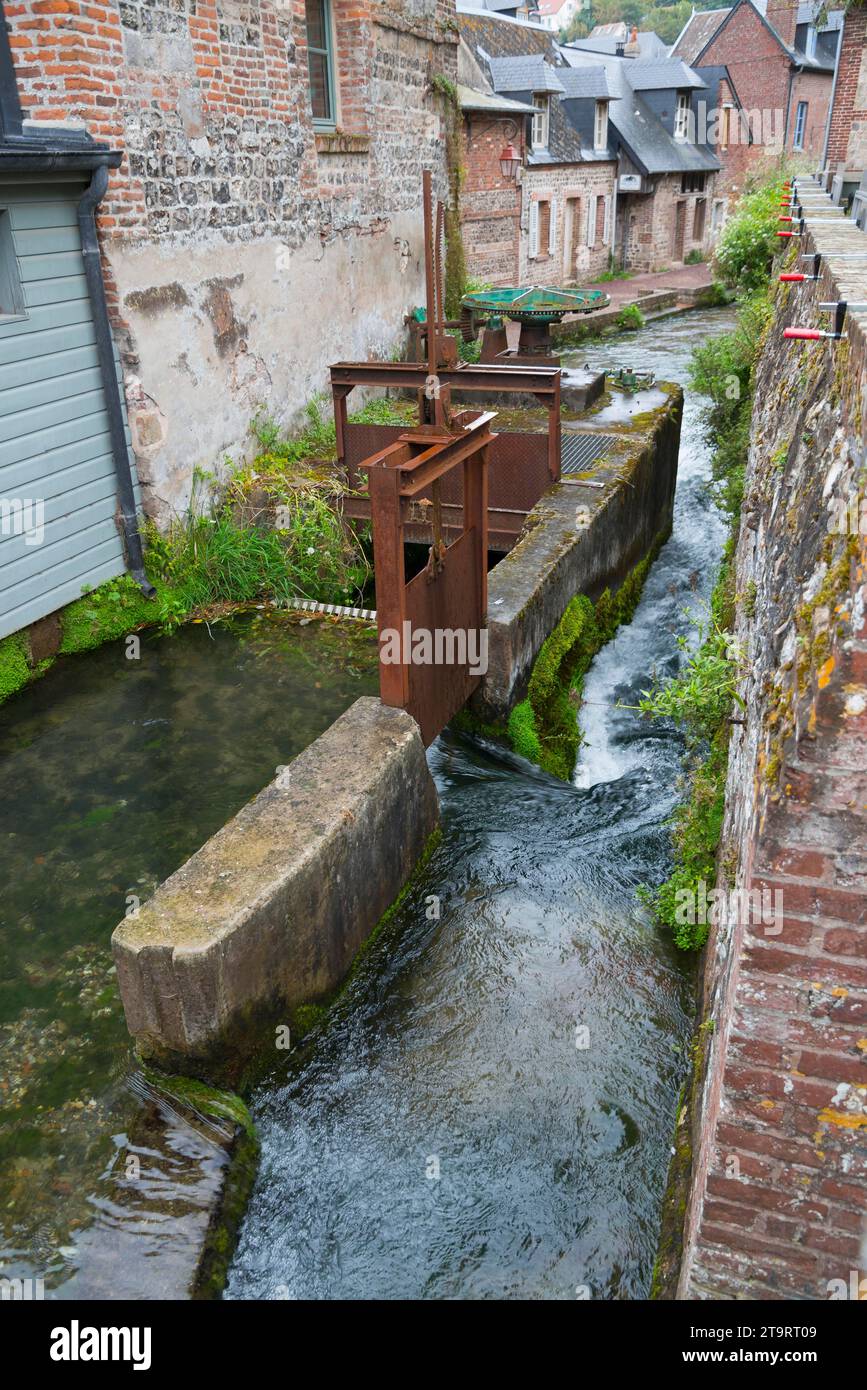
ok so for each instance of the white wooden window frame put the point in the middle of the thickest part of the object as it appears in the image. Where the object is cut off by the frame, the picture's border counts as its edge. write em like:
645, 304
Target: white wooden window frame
541, 121
800, 125
681, 117
600, 126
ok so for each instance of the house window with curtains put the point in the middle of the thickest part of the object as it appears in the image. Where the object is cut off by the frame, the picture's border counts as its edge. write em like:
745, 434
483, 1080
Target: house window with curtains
320, 62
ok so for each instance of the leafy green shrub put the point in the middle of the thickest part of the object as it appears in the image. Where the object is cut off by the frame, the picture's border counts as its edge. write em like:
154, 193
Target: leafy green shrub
630, 316
694, 257
700, 697
749, 239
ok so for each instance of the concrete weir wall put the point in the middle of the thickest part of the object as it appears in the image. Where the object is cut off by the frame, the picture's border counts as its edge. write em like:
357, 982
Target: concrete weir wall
271, 911
580, 538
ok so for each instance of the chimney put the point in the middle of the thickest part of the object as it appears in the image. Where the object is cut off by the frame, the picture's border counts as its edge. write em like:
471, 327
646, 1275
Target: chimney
632, 47
619, 49
782, 15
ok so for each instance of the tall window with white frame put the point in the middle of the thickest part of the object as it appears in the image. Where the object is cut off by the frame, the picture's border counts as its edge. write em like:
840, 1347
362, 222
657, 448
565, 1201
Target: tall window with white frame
600, 126
539, 137
681, 117
320, 62
800, 125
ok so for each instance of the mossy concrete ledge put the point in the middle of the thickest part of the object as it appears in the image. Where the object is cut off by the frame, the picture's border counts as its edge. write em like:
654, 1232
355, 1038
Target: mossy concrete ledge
584, 535
270, 912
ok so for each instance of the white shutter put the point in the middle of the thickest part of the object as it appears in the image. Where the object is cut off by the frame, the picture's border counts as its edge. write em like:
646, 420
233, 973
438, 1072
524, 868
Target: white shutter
591, 220
606, 233
534, 229
552, 228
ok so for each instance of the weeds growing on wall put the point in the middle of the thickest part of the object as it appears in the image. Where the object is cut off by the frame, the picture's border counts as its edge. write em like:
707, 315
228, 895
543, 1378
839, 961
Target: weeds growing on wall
630, 316
456, 262
702, 698
215, 555
748, 243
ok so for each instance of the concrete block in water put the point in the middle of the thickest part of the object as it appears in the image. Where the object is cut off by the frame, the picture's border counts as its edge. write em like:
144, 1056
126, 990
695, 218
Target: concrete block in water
270, 912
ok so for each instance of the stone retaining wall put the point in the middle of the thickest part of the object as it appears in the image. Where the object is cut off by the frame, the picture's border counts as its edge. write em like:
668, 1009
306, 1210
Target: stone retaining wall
271, 911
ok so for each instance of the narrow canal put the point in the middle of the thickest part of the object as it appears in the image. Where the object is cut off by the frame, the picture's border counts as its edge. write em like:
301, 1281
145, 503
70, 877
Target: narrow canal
487, 1112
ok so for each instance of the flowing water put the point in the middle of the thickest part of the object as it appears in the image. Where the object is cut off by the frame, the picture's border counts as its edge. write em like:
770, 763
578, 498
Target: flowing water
114, 772
487, 1111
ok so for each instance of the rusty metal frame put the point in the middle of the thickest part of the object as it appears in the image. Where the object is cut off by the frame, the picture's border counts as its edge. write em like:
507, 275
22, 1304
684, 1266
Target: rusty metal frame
541, 382
452, 592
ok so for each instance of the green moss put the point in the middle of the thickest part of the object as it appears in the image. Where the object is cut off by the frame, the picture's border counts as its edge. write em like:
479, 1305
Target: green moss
15, 669
669, 1250
104, 614
203, 1099
522, 732
544, 727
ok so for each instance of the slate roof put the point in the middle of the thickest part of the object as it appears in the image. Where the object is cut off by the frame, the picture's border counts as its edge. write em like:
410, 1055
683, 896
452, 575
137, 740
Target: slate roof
591, 82
642, 133
650, 45
656, 77
697, 33
471, 100
528, 73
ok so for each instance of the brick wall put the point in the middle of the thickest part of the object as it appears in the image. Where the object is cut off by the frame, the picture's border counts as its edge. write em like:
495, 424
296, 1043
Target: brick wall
814, 88
847, 142
648, 223
242, 248
760, 72
490, 203
570, 191
779, 1193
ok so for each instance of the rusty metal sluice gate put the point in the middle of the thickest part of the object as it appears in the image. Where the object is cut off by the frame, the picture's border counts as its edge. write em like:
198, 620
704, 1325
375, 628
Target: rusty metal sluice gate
450, 481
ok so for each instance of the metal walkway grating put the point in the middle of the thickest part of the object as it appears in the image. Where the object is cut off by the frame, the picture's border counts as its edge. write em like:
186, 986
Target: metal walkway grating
579, 451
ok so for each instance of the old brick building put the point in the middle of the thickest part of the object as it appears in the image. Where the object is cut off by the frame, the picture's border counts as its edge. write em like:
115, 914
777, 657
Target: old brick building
667, 201
770, 71
265, 216
847, 134
561, 212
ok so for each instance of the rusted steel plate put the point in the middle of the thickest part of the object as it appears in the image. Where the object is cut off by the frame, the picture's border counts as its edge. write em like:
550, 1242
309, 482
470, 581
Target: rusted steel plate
517, 474
447, 603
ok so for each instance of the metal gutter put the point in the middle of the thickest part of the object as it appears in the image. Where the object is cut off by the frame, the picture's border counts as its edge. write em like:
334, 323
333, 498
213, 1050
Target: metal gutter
87, 206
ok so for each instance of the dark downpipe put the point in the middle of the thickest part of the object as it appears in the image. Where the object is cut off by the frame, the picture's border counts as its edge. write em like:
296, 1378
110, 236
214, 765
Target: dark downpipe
87, 206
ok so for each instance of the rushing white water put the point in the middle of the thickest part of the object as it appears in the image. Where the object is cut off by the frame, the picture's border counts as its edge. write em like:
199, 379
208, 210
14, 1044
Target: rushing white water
487, 1111
617, 740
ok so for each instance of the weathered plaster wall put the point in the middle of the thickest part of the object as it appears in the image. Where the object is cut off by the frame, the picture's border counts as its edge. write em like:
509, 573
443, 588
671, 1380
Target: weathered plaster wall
780, 1171
243, 327
235, 233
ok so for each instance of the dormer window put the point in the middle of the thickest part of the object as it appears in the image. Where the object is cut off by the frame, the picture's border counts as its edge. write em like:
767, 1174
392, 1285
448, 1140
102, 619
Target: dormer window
600, 126
540, 121
681, 117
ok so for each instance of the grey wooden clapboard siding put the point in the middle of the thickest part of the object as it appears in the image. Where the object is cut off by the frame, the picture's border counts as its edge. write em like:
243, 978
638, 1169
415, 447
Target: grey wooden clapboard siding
54, 436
